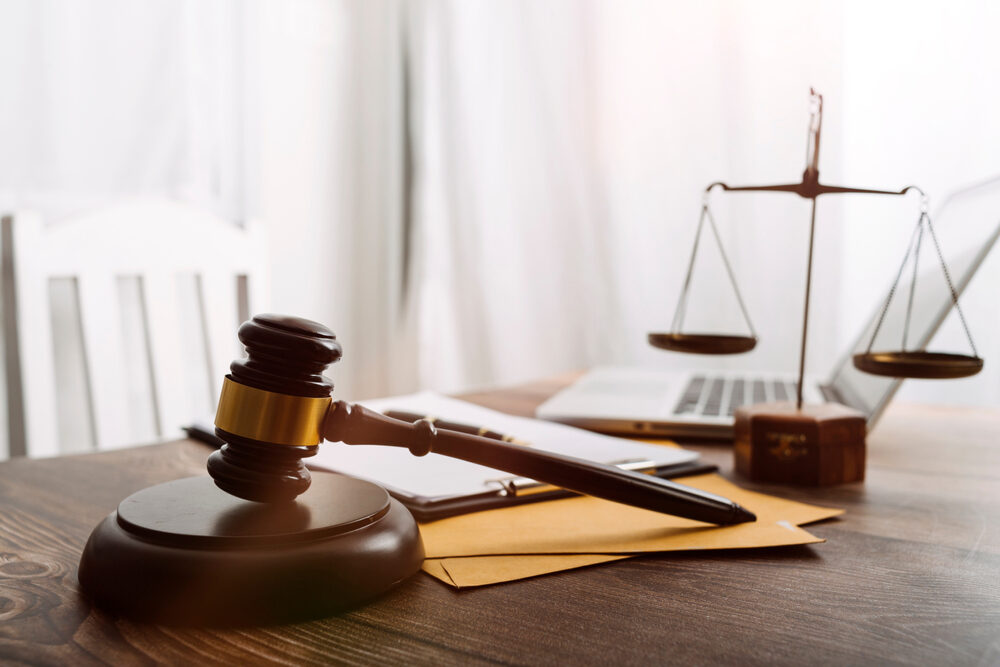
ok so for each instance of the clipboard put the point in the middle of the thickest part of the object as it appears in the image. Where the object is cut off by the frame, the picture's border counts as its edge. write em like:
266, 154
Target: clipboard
436, 487
514, 491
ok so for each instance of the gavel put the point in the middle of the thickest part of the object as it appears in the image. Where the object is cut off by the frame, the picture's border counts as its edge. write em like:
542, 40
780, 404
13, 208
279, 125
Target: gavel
276, 408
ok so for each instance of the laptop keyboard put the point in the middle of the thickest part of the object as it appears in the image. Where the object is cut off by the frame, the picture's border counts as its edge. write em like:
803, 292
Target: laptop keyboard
720, 396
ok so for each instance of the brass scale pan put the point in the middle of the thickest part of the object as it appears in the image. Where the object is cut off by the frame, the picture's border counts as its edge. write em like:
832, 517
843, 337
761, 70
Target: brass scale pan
702, 343
705, 343
920, 365
901, 364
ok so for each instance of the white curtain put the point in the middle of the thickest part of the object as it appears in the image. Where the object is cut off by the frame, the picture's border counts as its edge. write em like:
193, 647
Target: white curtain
514, 271
109, 98
475, 192
561, 149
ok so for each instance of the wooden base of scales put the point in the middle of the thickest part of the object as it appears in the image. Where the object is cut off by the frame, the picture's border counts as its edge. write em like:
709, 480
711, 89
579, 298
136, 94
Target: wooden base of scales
813, 445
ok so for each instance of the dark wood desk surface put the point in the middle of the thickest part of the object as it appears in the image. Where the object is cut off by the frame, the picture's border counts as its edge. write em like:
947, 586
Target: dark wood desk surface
911, 574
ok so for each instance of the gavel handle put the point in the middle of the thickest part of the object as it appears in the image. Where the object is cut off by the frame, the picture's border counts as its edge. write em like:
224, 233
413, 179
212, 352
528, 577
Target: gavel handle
358, 425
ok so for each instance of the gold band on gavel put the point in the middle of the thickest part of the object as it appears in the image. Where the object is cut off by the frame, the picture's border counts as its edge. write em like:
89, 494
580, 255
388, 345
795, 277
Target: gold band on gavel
270, 417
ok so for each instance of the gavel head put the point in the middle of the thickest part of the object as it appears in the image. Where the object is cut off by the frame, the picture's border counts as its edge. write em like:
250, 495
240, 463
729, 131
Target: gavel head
271, 408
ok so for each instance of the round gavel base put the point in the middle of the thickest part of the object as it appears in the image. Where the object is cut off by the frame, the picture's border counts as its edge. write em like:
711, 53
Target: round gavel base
187, 553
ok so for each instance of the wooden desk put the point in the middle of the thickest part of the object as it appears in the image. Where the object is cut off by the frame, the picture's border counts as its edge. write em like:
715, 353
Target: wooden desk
911, 574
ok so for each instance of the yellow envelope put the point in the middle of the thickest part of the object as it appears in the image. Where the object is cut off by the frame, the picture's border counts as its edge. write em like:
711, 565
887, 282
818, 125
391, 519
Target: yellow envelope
484, 570
490, 547
591, 525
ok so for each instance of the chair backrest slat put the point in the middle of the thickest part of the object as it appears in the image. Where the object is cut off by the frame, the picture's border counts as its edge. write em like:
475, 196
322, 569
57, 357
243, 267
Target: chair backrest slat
157, 288
105, 365
220, 288
32, 318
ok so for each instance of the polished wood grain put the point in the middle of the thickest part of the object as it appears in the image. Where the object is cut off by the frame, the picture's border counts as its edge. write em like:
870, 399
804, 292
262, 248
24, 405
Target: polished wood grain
911, 574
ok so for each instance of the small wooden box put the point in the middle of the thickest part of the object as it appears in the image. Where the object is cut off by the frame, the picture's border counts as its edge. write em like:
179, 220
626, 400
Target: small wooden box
817, 445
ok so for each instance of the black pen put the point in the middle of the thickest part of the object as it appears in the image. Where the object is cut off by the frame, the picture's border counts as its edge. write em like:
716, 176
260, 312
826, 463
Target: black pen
591, 478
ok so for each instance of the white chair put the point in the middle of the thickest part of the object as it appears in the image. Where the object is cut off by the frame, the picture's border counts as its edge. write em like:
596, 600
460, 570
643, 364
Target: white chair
119, 324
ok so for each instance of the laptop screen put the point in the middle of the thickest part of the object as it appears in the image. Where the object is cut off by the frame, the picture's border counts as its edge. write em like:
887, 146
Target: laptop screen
931, 304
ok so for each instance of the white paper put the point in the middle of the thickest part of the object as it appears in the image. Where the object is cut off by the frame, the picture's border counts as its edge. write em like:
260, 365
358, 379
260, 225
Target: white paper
436, 476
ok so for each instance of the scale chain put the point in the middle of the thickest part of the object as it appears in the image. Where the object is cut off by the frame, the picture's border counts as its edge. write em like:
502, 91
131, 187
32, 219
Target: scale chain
954, 294
895, 283
678, 320
729, 270
913, 283
915, 243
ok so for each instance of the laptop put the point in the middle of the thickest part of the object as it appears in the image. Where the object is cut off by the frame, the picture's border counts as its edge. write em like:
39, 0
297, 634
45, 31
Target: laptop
650, 402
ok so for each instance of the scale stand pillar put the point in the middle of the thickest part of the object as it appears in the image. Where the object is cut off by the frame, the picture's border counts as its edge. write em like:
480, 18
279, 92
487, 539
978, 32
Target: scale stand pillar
812, 444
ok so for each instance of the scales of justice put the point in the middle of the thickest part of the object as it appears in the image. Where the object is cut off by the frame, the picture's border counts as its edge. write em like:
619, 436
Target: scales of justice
815, 443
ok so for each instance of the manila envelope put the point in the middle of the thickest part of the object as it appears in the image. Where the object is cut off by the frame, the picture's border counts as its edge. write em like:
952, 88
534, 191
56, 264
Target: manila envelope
529, 540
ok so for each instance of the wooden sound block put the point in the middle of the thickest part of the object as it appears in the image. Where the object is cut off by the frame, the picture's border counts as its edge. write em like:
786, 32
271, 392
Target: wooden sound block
817, 445
186, 552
